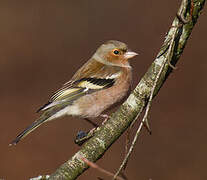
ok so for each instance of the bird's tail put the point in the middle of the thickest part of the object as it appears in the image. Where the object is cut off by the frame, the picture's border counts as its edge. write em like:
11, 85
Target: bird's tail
29, 129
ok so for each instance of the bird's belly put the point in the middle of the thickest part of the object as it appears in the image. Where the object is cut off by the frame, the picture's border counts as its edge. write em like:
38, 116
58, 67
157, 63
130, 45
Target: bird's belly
92, 105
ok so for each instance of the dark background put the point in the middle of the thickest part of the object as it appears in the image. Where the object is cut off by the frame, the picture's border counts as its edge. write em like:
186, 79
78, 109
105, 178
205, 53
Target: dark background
42, 43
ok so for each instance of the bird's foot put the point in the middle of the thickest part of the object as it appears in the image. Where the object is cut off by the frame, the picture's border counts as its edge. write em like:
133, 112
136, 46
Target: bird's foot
82, 136
106, 118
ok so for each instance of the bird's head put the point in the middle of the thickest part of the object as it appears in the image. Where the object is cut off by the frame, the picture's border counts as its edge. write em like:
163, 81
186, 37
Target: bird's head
114, 53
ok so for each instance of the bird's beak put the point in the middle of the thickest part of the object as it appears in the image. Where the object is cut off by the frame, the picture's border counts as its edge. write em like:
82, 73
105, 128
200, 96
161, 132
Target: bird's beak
130, 54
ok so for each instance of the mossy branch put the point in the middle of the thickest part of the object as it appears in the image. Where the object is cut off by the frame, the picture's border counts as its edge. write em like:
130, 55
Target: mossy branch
106, 135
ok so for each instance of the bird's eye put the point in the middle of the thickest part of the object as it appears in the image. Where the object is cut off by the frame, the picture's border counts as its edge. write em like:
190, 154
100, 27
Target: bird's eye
116, 52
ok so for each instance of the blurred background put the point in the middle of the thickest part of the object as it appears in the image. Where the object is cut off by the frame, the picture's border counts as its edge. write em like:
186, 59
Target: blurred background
42, 44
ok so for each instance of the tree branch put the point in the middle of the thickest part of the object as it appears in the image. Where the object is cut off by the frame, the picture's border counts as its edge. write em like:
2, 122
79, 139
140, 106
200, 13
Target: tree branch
95, 147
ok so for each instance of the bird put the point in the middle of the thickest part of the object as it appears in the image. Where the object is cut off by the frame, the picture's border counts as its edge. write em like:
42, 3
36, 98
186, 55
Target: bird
103, 81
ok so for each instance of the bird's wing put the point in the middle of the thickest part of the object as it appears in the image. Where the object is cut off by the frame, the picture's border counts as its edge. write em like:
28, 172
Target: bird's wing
93, 76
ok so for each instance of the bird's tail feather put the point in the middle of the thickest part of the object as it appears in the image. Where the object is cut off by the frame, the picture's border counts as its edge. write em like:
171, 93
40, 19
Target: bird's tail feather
29, 129
46, 116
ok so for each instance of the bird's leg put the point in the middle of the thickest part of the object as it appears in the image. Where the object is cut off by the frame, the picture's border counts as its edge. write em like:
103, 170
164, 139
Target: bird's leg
106, 117
92, 131
84, 136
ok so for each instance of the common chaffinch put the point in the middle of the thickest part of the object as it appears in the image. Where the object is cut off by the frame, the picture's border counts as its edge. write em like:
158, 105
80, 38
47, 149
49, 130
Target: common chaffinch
104, 80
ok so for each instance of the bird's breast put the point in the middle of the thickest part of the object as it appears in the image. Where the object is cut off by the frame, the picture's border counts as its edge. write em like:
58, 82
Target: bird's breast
92, 105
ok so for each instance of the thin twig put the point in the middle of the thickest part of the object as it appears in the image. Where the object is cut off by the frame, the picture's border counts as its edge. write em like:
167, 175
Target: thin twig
141, 124
127, 145
145, 118
171, 46
95, 166
40, 177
